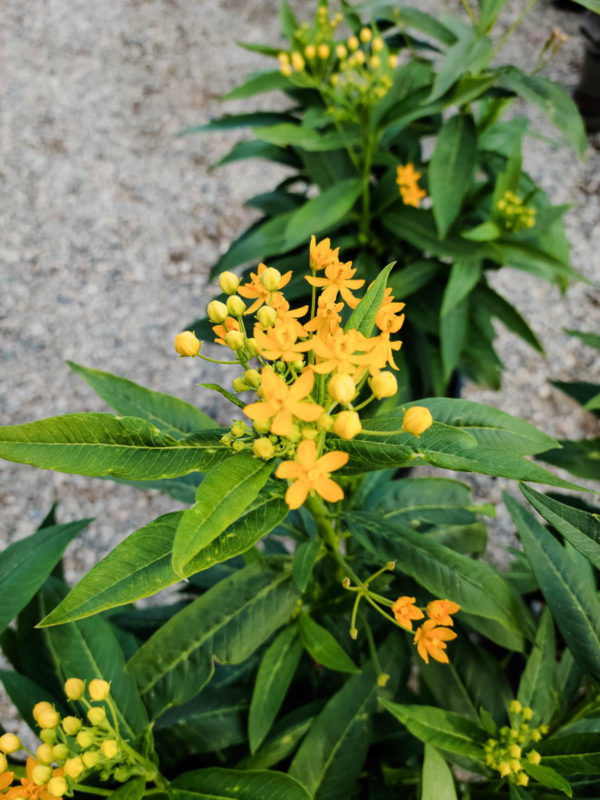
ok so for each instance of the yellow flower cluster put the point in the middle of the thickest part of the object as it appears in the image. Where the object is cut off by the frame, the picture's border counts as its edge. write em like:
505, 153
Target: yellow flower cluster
516, 217
407, 179
310, 372
76, 749
506, 753
352, 72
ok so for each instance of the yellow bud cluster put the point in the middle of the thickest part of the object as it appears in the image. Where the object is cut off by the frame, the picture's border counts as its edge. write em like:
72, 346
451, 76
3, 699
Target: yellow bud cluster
515, 216
507, 753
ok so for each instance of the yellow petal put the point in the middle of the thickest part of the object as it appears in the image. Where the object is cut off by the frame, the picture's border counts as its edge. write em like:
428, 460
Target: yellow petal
296, 493
333, 460
329, 490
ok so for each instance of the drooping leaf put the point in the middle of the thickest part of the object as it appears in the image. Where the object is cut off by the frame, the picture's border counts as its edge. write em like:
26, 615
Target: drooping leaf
216, 783
471, 53
536, 684
546, 776
287, 134
572, 753
323, 647
227, 121
304, 560
581, 458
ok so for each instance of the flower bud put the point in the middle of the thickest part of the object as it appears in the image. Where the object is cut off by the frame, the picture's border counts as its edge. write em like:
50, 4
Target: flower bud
514, 751
235, 305
71, 726
238, 428
393, 61
297, 61
382, 679
416, 420
234, 340
527, 713
266, 316
262, 426
353, 43
285, 69
375, 62
48, 718
323, 51
217, 311
324, 423
522, 779
73, 767
251, 347
44, 754
186, 344
283, 58
341, 51
48, 735
239, 384
294, 435
90, 758
3, 763
263, 448
310, 433
270, 279
310, 51
347, 425
60, 752
377, 45
227, 280
536, 735
341, 388
110, 748
252, 378
534, 757
383, 384
238, 446
96, 715
353, 633
515, 706
75, 687
57, 786
9, 743
366, 35
85, 739
98, 689
41, 774
39, 707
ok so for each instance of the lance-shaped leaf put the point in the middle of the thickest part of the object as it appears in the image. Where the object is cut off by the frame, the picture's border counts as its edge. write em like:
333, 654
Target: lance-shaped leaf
102, 444
305, 558
437, 777
443, 729
214, 783
21, 690
323, 646
536, 684
170, 414
226, 624
362, 318
272, 682
257, 83
25, 565
576, 753
547, 776
580, 458
226, 491
570, 597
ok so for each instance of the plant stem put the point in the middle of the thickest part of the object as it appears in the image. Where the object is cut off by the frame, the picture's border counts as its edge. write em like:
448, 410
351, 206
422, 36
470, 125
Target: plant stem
371, 643
366, 189
92, 790
509, 32
469, 10
329, 537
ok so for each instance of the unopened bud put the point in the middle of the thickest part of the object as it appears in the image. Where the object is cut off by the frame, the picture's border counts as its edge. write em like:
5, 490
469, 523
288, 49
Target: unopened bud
527, 714
71, 726
353, 633
391, 565
515, 764
60, 752
514, 751
96, 715
366, 35
515, 706
240, 385
534, 757
377, 45
57, 787
98, 689
382, 679
217, 311
416, 420
110, 748
3, 763
266, 316
48, 718
252, 378
48, 735
347, 425
297, 62
283, 58
353, 43
85, 739
323, 51
227, 280
522, 779
41, 774
310, 51
270, 279
73, 767
393, 61
234, 340
294, 435
286, 70
383, 384
251, 347
235, 305
262, 426
375, 62
263, 448
341, 51
341, 388
44, 754
75, 687
310, 433
325, 422
346, 583
9, 743
90, 758
44, 705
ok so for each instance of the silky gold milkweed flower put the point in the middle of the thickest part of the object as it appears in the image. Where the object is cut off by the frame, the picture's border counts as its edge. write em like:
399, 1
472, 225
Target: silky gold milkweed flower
338, 279
440, 611
282, 403
310, 473
431, 641
383, 384
321, 255
407, 179
343, 351
327, 319
221, 331
405, 611
280, 342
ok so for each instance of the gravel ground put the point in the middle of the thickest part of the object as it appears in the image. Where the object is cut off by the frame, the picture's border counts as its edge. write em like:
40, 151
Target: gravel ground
109, 226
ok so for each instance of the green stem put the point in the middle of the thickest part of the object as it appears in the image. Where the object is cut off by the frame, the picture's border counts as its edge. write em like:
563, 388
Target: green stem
78, 787
371, 643
366, 188
215, 360
509, 32
327, 534
469, 10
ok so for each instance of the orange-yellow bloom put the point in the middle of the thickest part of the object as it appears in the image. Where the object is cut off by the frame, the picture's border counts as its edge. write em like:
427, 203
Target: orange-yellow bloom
28, 788
388, 318
382, 353
221, 331
254, 290
439, 611
310, 473
281, 403
341, 351
321, 255
431, 641
6, 778
407, 179
280, 341
405, 611
327, 319
338, 279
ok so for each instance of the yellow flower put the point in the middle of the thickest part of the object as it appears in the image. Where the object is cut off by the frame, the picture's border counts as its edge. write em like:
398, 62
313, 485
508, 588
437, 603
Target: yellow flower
431, 641
382, 354
341, 351
254, 290
29, 789
405, 611
440, 610
282, 402
407, 179
321, 255
388, 318
280, 342
310, 473
416, 420
326, 320
338, 279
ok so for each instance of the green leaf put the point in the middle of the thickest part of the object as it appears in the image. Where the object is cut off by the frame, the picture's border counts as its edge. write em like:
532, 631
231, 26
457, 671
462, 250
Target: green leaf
591, 339
257, 149
88, 649
580, 458
25, 565
134, 789
443, 729
228, 121
22, 691
571, 599
471, 53
453, 333
547, 776
413, 277
102, 444
409, 17
224, 393
475, 586
485, 232
323, 647
579, 528
363, 316
451, 168
289, 23
226, 624
305, 558
553, 101
226, 491
272, 682
498, 307
535, 686
297, 136
215, 783
593, 5
534, 260
170, 415
258, 83
437, 780
464, 275
489, 10
572, 753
